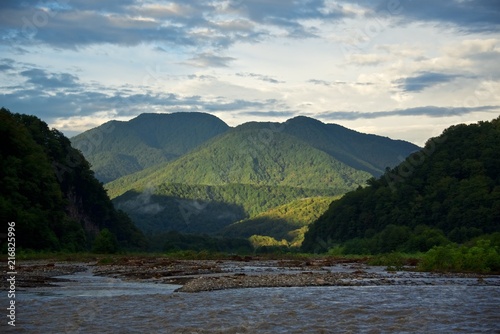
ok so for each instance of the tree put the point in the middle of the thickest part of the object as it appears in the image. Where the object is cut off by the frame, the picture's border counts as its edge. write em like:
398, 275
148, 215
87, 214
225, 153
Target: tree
105, 243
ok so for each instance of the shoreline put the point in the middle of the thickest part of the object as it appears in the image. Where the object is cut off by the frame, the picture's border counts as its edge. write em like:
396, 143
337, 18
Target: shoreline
42, 273
211, 275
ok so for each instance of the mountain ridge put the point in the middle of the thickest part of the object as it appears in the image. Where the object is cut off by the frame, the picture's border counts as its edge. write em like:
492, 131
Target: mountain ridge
261, 164
241, 172
119, 148
233, 158
350, 146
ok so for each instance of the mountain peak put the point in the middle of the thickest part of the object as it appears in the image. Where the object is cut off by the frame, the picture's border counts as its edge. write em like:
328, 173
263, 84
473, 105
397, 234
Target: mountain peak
177, 115
146, 140
304, 119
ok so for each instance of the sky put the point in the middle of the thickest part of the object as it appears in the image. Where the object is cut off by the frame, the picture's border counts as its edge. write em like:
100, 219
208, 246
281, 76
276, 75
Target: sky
405, 69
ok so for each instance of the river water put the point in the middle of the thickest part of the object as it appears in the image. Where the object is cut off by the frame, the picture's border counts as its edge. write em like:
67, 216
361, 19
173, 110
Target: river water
91, 304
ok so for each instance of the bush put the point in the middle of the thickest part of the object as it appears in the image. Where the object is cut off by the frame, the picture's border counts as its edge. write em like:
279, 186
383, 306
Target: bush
480, 257
105, 243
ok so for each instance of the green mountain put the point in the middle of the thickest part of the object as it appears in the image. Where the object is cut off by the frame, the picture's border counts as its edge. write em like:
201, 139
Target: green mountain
367, 152
241, 173
237, 157
116, 148
448, 191
288, 221
48, 190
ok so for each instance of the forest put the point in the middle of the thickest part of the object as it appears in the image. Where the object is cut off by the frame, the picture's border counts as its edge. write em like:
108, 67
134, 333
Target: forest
49, 190
442, 202
446, 193
243, 172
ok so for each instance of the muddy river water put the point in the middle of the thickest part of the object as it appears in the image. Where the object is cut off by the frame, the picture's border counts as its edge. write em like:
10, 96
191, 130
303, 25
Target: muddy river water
99, 304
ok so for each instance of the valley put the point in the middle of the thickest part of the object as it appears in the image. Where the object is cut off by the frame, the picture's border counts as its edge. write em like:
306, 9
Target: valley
238, 173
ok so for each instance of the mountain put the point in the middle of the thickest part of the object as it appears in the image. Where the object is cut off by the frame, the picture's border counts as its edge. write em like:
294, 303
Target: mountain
248, 170
448, 191
116, 148
239, 157
49, 191
366, 152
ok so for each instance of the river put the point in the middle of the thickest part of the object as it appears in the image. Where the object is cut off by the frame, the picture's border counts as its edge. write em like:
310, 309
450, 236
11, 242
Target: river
93, 304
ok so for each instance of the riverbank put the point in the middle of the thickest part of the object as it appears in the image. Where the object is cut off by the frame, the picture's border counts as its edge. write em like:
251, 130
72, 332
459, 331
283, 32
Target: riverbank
42, 273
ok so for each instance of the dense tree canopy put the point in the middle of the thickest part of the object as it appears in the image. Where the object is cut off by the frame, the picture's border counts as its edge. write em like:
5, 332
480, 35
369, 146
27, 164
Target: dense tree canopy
452, 185
49, 190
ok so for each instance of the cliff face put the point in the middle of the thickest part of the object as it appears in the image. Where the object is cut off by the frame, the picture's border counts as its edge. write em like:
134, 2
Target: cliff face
75, 211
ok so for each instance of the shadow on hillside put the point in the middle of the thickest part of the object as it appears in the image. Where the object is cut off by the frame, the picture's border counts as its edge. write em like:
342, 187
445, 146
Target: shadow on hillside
154, 213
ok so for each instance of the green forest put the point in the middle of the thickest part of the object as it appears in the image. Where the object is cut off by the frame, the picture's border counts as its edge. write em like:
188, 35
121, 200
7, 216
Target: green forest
261, 187
283, 225
205, 209
233, 159
446, 193
248, 170
48, 189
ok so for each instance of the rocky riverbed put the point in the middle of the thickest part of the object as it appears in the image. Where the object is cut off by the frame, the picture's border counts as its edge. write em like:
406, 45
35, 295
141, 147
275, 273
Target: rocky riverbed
33, 274
208, 275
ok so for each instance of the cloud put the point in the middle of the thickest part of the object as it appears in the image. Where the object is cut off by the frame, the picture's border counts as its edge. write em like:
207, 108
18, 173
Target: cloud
367, 59
83, 103
261, 77
54, 96
473, 16
234, 105
288, 15
41, 78
321, 82
208, 59
6, 64
271, 113
430, 111
78, 23
338, 83
220, 24
425, 80
82, 23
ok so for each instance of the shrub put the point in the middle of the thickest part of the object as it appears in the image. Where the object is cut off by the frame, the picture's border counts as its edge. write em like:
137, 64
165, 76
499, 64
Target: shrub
480, 257
105, 243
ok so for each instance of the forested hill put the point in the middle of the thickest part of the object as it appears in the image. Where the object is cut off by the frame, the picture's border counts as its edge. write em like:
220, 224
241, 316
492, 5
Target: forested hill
366, 152
301, 152
117, 148
248, 170
234, 158
448, 190
49, 191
